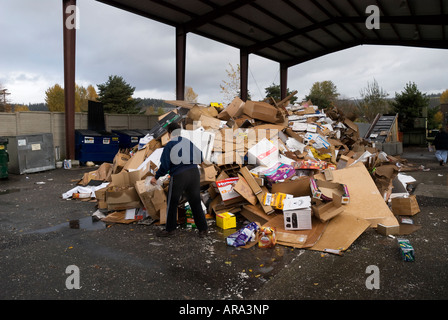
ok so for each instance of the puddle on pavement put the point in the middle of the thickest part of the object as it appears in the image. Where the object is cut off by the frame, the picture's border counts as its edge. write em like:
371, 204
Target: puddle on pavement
86, 223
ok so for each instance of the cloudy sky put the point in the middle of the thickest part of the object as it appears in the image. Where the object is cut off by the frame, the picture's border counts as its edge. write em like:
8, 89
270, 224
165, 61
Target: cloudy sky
142, 51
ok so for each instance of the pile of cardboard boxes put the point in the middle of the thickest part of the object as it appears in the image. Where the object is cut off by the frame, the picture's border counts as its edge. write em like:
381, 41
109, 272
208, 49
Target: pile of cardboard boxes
301, 171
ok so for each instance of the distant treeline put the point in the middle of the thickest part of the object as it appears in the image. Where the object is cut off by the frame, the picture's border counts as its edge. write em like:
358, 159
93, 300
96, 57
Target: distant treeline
142, 104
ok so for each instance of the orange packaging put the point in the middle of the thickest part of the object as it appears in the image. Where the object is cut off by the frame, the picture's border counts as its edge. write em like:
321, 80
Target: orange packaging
267, 238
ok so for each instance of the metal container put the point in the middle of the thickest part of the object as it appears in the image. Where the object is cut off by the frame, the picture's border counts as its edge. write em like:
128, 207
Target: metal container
128, 138
95, 146
31, 153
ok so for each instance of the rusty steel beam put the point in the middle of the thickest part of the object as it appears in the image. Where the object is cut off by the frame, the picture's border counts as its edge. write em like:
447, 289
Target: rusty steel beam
244, 74
283, 81
181, 45
69, 37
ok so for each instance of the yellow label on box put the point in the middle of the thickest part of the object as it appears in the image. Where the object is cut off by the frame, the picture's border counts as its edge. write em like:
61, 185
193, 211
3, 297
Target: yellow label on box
277, 201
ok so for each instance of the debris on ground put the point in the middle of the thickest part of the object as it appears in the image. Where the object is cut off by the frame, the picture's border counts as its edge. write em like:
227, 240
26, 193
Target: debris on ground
293, 174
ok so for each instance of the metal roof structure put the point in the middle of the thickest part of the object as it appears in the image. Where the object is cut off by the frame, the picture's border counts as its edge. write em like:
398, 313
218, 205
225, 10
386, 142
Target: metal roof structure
286, 31
293, 31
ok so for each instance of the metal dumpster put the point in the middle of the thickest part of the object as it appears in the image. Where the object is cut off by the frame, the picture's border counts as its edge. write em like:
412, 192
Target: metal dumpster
4, 158
95, 146
128, 138
31, 153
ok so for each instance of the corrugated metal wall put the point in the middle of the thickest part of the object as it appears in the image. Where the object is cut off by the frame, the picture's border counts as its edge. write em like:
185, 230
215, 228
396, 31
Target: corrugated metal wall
54, 122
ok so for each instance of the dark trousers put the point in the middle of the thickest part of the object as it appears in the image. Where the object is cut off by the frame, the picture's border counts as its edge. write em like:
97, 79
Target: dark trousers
187, 181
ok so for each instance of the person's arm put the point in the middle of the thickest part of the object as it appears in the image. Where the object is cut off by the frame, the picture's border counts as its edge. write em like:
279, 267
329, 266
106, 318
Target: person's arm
165, 163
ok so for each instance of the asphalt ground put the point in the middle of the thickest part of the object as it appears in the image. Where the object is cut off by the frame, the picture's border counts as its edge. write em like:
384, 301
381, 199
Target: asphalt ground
39, 249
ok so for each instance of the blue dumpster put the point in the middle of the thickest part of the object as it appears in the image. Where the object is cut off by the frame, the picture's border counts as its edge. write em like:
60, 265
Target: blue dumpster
128, 138
96, 146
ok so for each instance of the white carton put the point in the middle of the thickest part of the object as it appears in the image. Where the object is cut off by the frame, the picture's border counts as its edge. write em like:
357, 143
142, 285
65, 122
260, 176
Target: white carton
299, 219
264, 153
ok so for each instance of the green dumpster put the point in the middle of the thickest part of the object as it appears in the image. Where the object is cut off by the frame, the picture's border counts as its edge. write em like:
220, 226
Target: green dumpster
4, 158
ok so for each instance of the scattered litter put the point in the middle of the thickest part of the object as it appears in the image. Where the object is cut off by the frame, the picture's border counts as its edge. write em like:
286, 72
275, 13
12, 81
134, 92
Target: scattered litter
291, 174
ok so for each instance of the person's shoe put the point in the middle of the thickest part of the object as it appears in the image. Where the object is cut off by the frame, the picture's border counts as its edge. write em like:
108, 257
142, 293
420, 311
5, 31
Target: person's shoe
203, 233
441, 163
164, 233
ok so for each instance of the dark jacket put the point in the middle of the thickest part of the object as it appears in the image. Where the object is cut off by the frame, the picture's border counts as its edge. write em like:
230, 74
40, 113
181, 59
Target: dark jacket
178, 155
441, 141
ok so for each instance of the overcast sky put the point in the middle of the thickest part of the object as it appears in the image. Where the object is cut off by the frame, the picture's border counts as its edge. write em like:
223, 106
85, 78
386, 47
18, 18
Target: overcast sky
114, 42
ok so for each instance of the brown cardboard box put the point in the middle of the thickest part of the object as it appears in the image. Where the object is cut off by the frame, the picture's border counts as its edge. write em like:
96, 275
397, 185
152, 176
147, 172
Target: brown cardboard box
235, 108
120, 161
137, 159
329, 210
298, 187
208, 173
340, 233
208, 122
387, 230
255, 214
405, 206
261, 111
366, 202
103, 173
243, 188
153, 200
100, 196
120, 198
325, 190
121, 193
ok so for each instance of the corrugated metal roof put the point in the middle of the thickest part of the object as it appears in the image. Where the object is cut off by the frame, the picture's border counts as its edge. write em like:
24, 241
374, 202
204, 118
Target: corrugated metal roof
294, 31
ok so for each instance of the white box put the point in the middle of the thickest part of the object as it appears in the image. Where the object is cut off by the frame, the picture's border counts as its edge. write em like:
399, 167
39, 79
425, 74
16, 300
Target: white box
297, 219
264, 153
297, 203
225, 187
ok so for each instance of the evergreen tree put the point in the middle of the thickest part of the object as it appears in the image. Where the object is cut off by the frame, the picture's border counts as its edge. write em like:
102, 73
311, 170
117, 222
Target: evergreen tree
116, 96
409, 104
274, 92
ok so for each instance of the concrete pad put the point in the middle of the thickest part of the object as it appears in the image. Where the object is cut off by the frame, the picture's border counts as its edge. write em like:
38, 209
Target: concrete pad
431, 190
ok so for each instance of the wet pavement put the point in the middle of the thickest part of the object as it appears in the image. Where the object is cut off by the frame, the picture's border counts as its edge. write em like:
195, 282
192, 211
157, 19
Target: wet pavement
41, 235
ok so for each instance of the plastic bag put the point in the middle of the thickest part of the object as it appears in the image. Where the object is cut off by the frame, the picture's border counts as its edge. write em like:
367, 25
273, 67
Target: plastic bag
149, 186
243, 236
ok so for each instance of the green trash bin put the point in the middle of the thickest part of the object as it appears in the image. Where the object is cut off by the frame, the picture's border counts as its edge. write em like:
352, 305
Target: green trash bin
4, 158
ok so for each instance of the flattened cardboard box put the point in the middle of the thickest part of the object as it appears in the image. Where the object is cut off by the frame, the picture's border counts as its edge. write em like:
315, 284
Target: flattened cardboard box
297, 238
366, 202
340, 233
